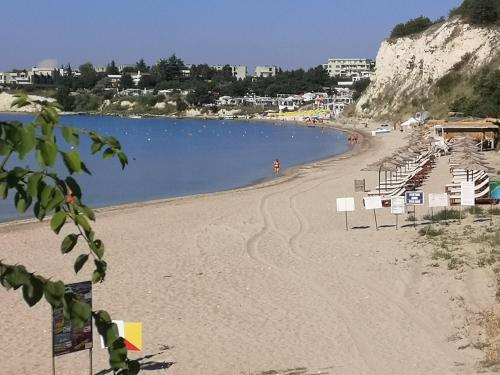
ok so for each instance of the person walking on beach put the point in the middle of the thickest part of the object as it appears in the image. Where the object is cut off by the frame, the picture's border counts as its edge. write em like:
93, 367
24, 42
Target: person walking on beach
276, 167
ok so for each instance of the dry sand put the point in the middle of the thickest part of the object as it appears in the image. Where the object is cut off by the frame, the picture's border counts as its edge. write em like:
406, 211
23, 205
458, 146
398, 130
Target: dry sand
258, 279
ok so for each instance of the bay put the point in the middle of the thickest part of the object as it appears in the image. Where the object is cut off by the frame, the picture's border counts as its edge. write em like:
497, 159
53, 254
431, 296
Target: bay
179, 157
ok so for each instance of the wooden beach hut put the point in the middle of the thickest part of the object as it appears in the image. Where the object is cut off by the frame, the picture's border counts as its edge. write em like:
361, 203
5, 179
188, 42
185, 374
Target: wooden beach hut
484, 132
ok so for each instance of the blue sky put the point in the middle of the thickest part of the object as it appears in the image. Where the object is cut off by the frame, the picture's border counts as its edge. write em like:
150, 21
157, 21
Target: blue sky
288, 33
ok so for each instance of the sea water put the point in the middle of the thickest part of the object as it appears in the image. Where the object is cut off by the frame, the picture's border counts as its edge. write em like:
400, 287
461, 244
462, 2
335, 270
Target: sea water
179, 157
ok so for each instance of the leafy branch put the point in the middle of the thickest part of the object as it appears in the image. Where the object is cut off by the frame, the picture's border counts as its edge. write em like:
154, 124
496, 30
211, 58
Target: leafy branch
50, 194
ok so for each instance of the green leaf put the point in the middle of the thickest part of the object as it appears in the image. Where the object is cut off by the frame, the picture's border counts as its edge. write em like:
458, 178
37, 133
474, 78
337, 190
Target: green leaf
73, 161
96, 147
17, 277
80, 220
123, 159
39, 211
108, 153
87, 211
69, 243
80, 313
28, 140
33, 291
80, 261
4, 189
98, 248
22, 201
67, 134
48, 151
33, 182
54, 292
58, 221
46, 195
118, 354
56, 201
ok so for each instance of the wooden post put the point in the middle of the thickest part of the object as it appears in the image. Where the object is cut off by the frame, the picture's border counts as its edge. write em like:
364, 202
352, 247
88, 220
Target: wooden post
53, 364
90, 361
432, 215
375, 215
415, 216
397, 220
491, 213
460, 214
346, 226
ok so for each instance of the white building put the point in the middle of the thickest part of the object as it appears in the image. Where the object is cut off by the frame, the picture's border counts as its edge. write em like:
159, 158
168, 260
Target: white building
348, 67
265, 71
15, 78
238, 71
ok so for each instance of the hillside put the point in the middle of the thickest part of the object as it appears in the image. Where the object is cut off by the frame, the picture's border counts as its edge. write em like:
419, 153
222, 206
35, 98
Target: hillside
430, 70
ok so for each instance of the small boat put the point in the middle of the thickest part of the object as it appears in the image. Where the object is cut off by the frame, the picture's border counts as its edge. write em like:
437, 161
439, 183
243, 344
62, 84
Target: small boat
229, 117
134, 116
380, 131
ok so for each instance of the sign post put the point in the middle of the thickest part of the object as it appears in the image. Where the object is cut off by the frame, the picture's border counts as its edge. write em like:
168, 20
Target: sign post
65, 337
345, 205
414, 198
397, 208
373, 203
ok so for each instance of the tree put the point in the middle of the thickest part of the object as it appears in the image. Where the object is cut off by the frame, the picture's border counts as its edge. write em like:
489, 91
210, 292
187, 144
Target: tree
88, 76
141, 66
359, 87
112, 69
147, 81
168, 69
484, 12
61, 197
413, 26
126, 81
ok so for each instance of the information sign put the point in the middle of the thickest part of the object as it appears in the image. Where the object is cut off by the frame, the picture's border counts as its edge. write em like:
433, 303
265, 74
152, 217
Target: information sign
414, 198
438, 200
65, 337
345, 204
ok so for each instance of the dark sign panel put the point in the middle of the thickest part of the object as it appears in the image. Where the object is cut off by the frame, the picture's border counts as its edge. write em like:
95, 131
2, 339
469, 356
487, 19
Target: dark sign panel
359, 185
415, 198
66, 338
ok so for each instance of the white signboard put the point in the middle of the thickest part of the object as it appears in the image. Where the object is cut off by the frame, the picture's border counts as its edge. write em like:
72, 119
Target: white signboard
467, 193
345, 204
372, 203
398, 205
438, 200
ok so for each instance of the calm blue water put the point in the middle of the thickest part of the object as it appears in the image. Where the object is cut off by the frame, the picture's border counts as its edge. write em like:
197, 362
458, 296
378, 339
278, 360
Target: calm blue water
170, 158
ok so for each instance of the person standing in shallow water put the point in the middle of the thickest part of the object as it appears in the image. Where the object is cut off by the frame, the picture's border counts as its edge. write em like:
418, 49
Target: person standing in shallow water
276, 167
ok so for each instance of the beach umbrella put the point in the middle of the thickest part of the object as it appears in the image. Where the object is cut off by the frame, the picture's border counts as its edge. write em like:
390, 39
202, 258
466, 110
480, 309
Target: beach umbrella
384, 165
472, 165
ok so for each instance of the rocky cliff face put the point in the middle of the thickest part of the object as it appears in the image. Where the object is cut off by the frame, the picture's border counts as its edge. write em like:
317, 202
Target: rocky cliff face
427, 71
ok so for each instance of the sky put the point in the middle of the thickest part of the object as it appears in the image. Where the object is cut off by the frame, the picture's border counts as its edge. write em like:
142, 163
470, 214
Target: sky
288, 33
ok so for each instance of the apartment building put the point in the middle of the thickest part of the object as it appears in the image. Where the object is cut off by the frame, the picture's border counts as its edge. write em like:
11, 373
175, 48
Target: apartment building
238, 71
349, 67
265, 71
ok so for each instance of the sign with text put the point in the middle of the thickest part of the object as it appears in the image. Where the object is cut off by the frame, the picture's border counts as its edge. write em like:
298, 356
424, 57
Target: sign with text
438, 200
345, 204
467, 193
65, 337
495, 190
372, 203
359, 185
397, 205
414, 198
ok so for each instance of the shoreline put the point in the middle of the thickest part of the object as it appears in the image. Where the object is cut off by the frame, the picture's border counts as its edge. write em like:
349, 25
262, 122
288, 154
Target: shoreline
287, 175
259, 183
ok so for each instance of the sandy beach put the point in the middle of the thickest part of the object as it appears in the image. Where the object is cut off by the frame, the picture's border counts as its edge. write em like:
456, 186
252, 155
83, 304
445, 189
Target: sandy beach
259, 279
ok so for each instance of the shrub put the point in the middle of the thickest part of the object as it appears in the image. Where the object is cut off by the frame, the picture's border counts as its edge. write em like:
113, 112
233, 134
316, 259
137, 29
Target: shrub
430, 231
413, 26
445, 215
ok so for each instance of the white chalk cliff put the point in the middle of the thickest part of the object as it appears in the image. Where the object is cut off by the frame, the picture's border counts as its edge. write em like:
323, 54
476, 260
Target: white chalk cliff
408, 68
